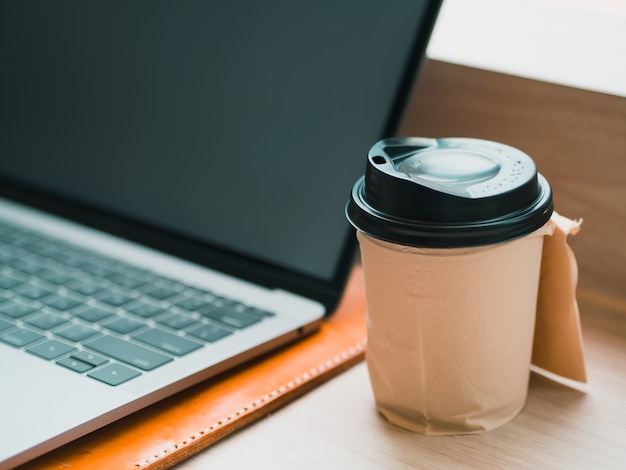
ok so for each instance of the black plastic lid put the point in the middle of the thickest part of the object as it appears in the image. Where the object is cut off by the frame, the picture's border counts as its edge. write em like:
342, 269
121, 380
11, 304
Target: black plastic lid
446, 193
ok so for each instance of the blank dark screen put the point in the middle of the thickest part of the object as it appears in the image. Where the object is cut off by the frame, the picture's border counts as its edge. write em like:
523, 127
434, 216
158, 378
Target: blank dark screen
240, 124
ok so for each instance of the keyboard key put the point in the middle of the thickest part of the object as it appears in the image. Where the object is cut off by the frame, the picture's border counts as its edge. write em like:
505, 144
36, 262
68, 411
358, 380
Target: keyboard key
160, 292
90, 358
114, 374
6, 254
16, 309
231, 317
8, 282
210, 333
65, 257
122, 325
228, 303
167, 342
114, 299
25, 266
20, 337
61, 302
5, 325
128, 282
76, 332
259, 312
144, 309
33, 292
93, 314
176, 321
83, 287
46, 321
190, 303
96, 269
75, 364
54, 277
44, 248
50, 349
200, 293
130, 353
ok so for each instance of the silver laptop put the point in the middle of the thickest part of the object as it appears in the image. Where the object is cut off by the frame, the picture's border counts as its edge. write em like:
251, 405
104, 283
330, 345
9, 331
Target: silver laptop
172, 185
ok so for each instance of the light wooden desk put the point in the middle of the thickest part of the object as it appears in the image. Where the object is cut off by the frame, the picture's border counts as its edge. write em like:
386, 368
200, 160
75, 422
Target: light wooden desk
578, 139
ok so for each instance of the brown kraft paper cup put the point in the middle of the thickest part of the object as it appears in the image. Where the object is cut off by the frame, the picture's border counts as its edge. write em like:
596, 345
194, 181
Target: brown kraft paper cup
450, 331
468, 280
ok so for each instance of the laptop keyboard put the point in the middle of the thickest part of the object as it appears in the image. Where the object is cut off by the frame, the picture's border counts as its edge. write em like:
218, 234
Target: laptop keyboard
99, 316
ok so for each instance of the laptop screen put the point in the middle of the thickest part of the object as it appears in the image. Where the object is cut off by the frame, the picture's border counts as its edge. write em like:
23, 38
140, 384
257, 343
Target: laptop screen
237, 131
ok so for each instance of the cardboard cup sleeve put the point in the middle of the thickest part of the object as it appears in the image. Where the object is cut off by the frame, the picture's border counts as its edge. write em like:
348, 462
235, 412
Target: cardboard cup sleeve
451, 332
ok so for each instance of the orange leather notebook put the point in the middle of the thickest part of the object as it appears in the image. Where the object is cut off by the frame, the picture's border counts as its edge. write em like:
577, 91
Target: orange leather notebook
178, 427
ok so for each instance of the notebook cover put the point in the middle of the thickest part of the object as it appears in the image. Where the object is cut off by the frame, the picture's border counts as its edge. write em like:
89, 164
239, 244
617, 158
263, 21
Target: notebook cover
178, 427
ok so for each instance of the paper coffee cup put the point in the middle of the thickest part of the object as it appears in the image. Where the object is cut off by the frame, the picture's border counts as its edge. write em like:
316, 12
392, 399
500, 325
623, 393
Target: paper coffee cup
451, 234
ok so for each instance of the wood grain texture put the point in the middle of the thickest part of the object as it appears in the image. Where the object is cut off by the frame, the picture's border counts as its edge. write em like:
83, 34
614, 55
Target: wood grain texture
576, 137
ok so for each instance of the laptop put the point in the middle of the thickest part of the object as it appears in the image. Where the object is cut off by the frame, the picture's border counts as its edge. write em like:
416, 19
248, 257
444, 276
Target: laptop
173, 177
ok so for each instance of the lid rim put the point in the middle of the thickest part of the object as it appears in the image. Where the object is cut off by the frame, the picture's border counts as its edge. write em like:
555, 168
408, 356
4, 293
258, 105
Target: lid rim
449, 235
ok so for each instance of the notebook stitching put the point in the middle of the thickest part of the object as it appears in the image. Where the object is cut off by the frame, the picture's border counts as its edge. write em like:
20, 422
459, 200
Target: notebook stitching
267, 398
